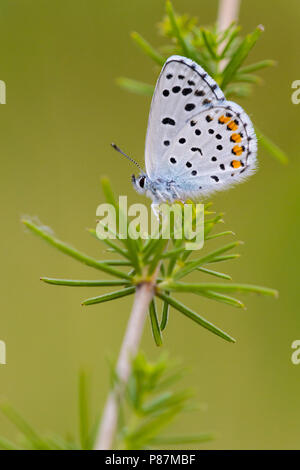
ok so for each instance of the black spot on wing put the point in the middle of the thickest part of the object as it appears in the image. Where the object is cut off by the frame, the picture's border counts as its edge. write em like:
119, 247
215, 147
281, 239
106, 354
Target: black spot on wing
196, 149
215, 178
186, 91
168, 120
189, 106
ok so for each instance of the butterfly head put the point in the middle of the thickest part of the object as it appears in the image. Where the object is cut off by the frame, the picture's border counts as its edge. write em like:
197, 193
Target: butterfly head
140, 183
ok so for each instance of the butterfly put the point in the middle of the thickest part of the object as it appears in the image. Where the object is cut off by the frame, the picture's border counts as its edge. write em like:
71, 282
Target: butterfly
197, 142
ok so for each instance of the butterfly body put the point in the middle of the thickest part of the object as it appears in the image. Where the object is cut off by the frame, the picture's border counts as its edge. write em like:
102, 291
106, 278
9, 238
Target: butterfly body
159, 190
197, 142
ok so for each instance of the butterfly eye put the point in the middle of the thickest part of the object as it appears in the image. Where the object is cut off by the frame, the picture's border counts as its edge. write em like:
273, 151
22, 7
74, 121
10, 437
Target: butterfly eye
142, 182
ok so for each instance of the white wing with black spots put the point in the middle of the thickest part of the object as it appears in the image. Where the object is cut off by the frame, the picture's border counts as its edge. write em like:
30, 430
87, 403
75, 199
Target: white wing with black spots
183, 89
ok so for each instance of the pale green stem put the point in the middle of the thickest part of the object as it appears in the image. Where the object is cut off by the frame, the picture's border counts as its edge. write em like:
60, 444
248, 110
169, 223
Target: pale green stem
228, 12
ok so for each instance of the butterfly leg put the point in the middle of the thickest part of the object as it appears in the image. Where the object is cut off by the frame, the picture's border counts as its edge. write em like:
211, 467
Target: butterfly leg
155, 209
175, 195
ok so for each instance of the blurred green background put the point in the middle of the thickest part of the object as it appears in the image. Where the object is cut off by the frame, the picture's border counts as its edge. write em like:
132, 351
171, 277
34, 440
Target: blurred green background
60, 59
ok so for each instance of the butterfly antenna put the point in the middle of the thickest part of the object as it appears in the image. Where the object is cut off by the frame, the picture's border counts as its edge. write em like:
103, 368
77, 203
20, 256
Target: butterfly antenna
114, 146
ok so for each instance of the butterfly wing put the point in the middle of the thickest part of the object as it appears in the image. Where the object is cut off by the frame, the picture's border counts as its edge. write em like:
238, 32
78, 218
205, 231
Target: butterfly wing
183, 89
195, 138
215, 149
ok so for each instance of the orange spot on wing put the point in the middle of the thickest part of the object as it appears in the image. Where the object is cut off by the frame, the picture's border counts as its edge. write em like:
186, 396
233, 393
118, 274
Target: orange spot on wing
236, 137
232, 126
236, 164
237, 150
223, 119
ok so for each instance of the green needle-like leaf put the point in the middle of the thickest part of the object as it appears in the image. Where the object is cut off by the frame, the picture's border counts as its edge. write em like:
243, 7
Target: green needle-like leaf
247, 78
134, 86
270, 147
116, 247
147, 48
230, 41
219, 234
144, 433
257, 66
165, 314
192, 265
240, 90
110, 296
83, 283
209, 43
25, 428
113, 246
195, 317
240, 55
154, 324
117, 262
219, 259
186, 49
215, 273
173, 253
224, 299
164, 401
5, 444
205, 292
94, 431
108, 193
157, 256
185, 287
110, 199
70, 251
131, 245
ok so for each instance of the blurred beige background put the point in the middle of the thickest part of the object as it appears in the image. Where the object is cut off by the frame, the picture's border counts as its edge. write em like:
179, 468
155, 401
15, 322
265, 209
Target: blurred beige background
60, 59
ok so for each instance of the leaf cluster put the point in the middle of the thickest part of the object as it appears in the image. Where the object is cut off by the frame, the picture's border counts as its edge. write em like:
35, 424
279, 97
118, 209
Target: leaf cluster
148, 406
165, 262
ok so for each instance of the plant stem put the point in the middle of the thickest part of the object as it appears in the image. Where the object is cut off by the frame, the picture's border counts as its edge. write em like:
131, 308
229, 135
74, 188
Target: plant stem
228, 12
129, 348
